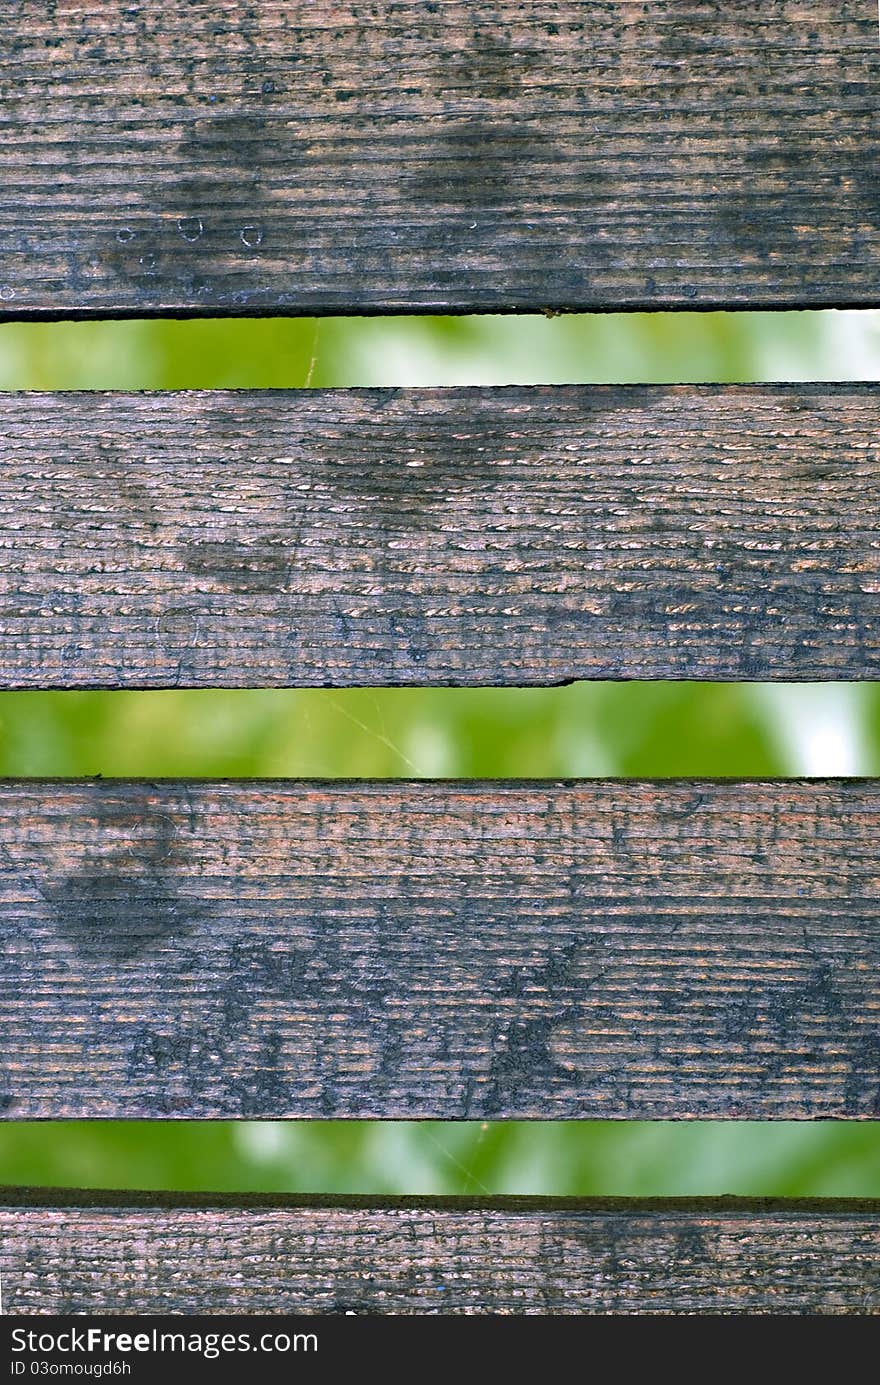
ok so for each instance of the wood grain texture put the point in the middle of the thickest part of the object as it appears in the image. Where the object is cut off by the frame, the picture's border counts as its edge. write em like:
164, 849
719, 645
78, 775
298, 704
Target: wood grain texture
443, 950
464, 536
130, 1253
173, 157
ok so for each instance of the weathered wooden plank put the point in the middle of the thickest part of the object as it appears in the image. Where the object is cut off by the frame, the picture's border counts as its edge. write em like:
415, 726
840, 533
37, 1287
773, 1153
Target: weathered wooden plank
524, 535
448, 950
134, 1253
323, 158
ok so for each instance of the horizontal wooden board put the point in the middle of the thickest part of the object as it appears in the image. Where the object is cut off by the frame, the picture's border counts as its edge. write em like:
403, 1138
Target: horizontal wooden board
461, 536
444, 950
130, 1253
194, 158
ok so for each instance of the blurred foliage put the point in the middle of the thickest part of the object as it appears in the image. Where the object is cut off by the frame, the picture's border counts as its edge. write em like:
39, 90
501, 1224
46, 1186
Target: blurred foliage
588, 729
599, 1158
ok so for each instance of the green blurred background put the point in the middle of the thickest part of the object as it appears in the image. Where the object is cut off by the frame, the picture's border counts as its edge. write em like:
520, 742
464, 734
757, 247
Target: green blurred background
586, 729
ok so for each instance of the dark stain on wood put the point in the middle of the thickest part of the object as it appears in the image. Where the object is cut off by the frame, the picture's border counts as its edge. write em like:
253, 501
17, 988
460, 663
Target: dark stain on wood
254, 569
120, 900
443, 951
214, 213
469, 166
86, 1253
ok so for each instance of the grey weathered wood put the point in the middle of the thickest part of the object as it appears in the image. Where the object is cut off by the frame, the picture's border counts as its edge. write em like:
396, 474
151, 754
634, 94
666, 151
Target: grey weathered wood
131, 1253
168, 157
447, 950
525, 535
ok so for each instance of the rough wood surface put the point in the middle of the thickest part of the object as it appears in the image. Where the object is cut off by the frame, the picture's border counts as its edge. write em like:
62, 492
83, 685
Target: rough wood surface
523, 535
130, 1253
179, 157
448, 950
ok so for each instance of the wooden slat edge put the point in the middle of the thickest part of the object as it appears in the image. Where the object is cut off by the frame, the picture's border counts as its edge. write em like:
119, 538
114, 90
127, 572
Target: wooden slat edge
52, 1197
465, 536
440, 950
117, 1253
